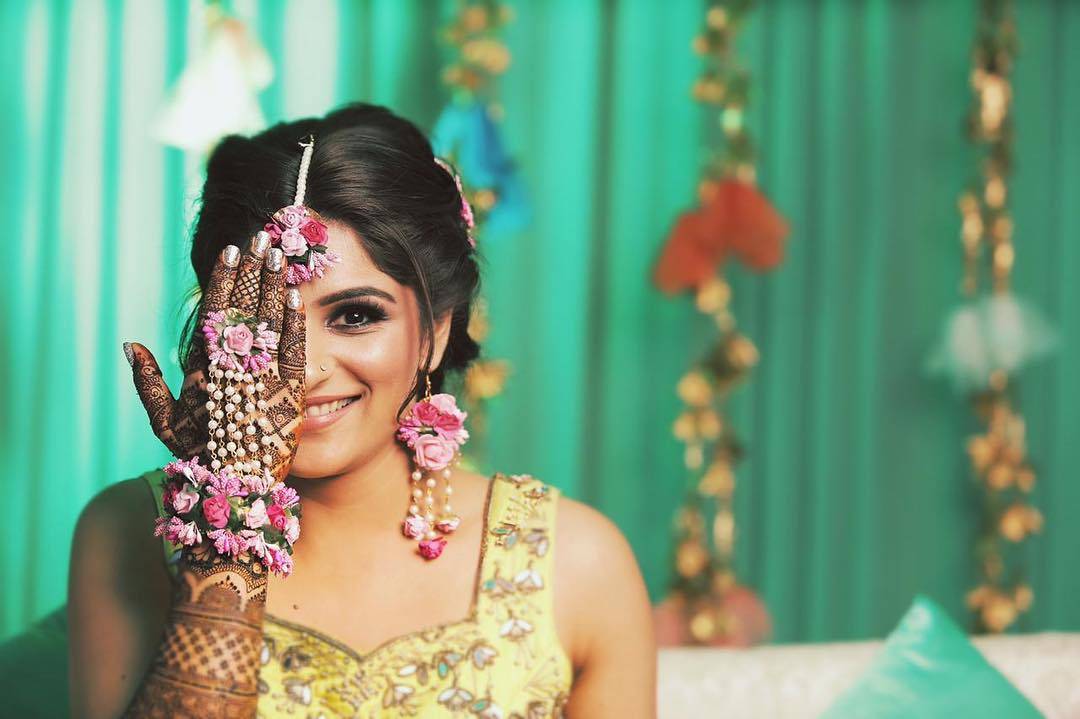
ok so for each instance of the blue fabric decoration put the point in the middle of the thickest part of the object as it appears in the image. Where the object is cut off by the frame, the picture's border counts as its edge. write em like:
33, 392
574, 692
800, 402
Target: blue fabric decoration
466, 133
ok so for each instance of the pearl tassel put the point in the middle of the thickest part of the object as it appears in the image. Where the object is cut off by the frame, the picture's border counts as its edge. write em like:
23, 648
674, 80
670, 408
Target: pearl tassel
232, 406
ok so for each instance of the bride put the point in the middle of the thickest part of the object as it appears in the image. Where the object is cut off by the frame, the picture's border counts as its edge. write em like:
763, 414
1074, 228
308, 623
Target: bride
316, 374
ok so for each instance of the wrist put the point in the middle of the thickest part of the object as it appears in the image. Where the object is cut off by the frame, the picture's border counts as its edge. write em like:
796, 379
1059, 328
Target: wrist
222, 584
244, 518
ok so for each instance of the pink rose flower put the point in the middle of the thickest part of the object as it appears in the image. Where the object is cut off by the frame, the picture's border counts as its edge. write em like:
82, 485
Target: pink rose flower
432, 548
314, 232
238, 339
426, 413
446, 525
292, 530
256, 515
278, 518
433, 452
414, 526
217, 509
448, 425
274, 230
185, 500
447, 404
290, 216
293, 243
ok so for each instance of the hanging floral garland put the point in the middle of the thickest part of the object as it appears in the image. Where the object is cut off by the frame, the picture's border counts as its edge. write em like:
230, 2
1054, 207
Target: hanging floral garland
734, 220
468, 136
990, 337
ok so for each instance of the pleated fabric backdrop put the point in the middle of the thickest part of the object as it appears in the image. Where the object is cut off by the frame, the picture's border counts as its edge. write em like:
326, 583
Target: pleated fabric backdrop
855, 494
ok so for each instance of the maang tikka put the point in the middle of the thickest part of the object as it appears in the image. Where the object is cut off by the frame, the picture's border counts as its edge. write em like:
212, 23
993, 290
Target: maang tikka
434, 429
300, 232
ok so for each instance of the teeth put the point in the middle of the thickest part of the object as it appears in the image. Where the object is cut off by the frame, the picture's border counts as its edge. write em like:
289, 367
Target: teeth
319, 410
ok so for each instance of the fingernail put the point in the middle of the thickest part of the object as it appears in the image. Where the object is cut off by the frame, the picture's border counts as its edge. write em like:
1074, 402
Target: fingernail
292, 299
129, 354
260, 242
274, 258
231, 256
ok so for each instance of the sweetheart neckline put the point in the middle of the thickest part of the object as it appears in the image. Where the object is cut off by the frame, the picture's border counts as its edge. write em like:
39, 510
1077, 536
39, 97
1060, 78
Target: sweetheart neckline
470, 618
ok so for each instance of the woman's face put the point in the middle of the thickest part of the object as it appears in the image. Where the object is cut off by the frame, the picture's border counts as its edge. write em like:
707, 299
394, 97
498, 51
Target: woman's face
364, 328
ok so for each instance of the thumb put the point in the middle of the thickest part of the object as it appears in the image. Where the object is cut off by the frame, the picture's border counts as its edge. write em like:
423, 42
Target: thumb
153, 392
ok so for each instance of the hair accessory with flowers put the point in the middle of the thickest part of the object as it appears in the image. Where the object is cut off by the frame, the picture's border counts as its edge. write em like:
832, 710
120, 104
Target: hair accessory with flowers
466, 208
238, 341
253, 513
300, 233
434, 429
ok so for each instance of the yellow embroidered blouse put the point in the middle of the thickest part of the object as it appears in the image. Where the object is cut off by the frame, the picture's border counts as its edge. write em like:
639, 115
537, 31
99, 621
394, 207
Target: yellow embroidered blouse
503, 661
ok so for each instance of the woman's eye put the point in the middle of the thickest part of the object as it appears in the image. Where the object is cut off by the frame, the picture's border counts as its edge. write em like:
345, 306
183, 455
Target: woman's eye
357, 316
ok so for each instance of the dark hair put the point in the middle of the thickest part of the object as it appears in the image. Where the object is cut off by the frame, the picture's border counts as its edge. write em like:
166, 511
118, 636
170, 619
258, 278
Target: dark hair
376, 173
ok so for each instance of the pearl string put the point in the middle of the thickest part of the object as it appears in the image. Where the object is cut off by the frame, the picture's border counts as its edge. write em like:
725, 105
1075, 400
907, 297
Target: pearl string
305, 161
234, 399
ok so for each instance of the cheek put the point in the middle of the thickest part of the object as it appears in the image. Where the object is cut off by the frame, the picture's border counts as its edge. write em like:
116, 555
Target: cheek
385, 361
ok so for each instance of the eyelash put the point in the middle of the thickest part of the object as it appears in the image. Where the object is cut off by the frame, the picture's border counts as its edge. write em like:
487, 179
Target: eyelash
371, 311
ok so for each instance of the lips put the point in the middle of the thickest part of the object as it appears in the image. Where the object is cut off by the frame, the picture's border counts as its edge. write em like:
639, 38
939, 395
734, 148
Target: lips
324, 411
325, 408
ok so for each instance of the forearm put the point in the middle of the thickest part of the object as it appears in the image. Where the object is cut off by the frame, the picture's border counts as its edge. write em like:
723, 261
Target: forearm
208, 661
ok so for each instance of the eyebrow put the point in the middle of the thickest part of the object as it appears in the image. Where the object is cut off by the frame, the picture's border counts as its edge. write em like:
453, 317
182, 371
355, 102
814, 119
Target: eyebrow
354, 292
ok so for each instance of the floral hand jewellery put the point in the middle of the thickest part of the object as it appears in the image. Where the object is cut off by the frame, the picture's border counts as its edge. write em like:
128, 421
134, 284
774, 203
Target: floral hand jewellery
232, 497
238, 512
238, 341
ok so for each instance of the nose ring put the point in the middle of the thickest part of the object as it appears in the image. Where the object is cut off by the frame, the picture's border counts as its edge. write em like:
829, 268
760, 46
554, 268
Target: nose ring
322, 367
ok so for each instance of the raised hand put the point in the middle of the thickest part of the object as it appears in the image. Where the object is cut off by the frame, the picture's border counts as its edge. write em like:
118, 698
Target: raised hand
242, 412
180, 423
185, 425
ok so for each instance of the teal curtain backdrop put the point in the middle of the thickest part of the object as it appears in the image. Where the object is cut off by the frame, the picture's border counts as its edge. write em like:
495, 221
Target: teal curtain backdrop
855, 494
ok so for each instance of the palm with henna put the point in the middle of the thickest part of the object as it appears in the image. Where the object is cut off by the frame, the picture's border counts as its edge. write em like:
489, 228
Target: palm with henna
181, 423
207, 662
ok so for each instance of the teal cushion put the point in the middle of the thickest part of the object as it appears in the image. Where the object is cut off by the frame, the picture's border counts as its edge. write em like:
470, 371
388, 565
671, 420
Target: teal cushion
929, 669
34, 670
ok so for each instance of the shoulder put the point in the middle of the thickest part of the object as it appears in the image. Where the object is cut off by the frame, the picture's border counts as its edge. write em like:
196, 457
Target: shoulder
126, 506
599, 590
114, 538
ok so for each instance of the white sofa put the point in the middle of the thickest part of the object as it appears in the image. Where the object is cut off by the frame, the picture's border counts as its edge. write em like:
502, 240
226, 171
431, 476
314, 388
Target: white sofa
802, 680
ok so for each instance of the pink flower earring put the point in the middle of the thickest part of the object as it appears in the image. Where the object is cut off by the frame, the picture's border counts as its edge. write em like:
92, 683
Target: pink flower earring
434, 430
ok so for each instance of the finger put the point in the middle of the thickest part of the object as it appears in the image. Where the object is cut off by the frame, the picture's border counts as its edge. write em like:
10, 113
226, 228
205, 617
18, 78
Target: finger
245, 294
222, 281
215, 299
153, 392
291, 352
272, 299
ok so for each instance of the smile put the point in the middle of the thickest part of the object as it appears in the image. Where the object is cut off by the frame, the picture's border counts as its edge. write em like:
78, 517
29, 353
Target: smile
326, 408
323, 414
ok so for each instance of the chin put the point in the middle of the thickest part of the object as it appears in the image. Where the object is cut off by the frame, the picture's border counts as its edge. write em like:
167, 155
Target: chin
326, 455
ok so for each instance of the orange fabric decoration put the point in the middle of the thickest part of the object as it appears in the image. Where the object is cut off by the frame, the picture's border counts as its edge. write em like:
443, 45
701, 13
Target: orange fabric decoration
734, 219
